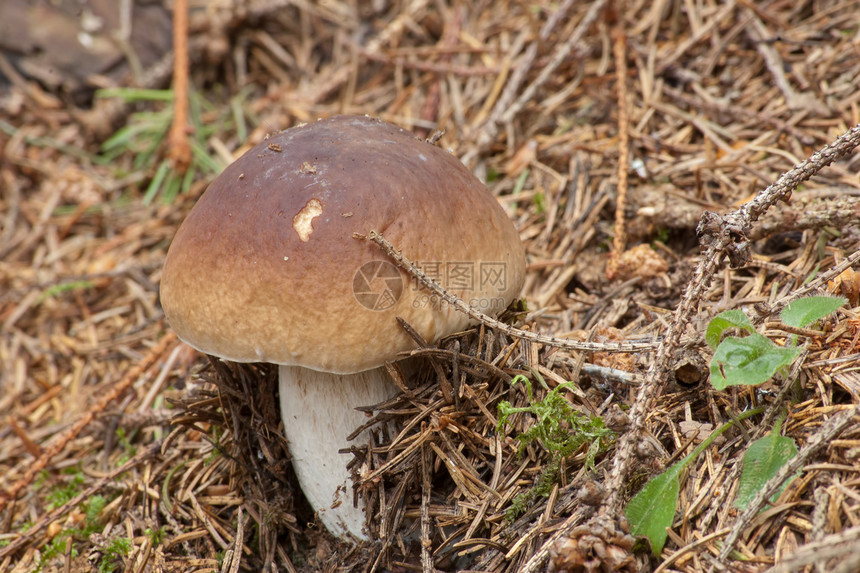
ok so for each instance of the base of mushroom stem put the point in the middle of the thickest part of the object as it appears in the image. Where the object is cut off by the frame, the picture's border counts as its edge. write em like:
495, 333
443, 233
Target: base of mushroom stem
318, 410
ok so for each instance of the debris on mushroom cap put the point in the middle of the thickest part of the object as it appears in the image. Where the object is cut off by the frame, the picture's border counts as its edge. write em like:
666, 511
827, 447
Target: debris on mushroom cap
266, 269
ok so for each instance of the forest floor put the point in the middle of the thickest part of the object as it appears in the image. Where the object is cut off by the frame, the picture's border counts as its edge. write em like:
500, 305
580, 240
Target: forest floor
607, 131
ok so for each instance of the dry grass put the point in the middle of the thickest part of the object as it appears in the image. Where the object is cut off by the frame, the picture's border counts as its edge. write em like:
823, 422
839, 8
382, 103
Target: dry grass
186, 457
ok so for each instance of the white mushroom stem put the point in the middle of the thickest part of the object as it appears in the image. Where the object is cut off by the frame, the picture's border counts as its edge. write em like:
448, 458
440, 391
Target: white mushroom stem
318, 409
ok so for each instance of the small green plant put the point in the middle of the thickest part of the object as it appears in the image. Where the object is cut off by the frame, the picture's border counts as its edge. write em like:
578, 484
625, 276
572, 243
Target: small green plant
762, 461
62, 493
146, 132
57, 546
219, 558
652, 510
92, 508
520, 183
540, 203
559, 428
155, 535
753, 359
749, 360
805, 311
118, 548
55, 290
128, 450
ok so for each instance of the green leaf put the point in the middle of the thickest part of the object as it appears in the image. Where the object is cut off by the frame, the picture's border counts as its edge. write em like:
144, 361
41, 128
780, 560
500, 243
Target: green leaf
154, 185
136, 94
206, 161
724, 321
521, 182
125, 137
652, 510
803, 312
748, 361
61, 288
762, 460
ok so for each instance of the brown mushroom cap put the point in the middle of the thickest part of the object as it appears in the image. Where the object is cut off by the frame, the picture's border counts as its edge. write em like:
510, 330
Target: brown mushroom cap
266, 269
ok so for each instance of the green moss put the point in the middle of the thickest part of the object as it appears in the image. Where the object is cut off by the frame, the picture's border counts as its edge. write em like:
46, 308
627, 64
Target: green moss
61, 494
114, 552
560, 429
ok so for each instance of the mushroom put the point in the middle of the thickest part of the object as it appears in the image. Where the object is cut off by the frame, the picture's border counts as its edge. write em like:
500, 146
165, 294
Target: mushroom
266, 269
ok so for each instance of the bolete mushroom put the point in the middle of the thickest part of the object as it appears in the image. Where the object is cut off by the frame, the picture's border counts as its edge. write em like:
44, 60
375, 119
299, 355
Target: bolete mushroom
266, 269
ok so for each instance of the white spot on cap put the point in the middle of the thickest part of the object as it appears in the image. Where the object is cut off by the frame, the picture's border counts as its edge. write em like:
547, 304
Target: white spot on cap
85, 39
303, 221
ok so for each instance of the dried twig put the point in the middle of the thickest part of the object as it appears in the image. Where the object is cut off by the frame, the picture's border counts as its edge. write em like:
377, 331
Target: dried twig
233, 555
426, 555
837, 212
840, 544
36, 528
817, 283
506, 107
721, 236
806, 101
472, 312
118, 389
180, 150
820, 439
619, 241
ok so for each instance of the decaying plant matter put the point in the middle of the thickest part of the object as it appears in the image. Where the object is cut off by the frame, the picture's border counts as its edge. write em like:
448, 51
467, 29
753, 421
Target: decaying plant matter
122, 449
